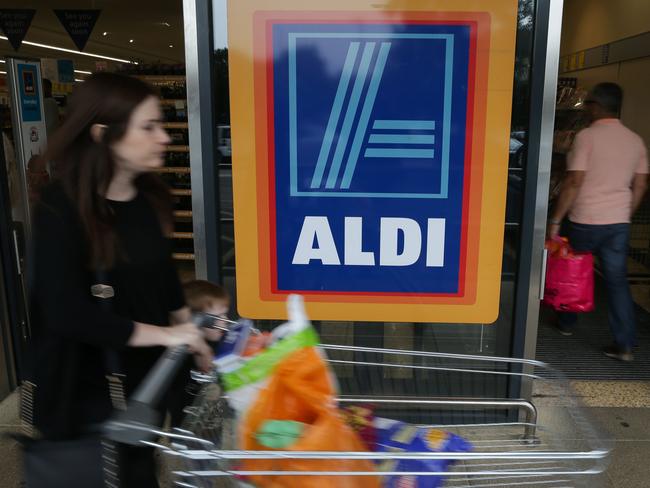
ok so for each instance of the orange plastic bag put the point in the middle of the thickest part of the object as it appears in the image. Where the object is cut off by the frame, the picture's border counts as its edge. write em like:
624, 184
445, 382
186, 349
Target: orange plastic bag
301, 390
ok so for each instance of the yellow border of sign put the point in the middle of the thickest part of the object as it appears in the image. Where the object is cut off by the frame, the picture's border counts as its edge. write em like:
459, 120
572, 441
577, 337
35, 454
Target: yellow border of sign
247, 140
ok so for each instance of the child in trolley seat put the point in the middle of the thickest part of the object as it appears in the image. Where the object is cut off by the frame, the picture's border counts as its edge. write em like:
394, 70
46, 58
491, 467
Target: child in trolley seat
207, 297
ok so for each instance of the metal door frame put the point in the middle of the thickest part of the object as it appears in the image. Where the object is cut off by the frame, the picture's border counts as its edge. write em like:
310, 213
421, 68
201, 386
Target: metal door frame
545, 65
202, 123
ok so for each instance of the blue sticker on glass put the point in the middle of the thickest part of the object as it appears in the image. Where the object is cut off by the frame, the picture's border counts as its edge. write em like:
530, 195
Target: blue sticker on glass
30, 100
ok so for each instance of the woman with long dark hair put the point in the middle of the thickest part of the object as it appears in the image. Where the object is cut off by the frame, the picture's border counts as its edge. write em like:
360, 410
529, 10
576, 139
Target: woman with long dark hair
106, 211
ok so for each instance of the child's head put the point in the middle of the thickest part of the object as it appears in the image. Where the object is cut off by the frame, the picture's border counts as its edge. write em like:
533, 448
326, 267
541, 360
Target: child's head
203, 296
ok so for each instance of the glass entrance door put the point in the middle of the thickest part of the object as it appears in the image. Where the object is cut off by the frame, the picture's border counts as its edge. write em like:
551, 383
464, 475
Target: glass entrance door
506, 335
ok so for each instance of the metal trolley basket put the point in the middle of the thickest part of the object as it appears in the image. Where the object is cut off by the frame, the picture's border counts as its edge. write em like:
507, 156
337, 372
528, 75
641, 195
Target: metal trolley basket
546, 442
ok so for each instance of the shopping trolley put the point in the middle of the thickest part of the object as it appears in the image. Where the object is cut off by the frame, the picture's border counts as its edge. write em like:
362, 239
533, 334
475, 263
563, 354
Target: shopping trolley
548, 441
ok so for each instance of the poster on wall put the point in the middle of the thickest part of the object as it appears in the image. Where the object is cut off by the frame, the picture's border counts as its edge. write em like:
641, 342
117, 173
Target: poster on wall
370, 152
30, 98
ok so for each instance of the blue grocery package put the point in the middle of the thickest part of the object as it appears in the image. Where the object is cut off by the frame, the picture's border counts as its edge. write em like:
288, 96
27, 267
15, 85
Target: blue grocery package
229, 349
395, 436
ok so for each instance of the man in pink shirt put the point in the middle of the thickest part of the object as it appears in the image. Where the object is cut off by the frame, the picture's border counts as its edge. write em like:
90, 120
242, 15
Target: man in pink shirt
606, 178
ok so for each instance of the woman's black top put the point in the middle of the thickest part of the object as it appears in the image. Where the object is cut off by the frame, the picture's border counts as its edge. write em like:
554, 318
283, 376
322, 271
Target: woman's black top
71, 331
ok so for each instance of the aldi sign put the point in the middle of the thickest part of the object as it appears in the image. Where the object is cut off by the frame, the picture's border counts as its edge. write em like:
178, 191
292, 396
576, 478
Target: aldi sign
365, 175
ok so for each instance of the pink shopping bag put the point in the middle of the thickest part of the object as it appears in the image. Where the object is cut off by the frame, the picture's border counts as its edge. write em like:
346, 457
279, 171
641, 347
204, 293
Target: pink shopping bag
569, 278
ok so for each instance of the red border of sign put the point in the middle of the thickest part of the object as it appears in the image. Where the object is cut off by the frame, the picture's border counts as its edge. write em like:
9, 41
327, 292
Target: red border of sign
479, 27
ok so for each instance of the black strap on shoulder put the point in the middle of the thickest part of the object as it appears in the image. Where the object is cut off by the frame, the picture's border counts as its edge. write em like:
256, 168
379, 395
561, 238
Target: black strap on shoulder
104, 292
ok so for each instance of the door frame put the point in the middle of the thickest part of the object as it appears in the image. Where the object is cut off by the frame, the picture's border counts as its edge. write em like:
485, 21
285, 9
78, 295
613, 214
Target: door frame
532, 258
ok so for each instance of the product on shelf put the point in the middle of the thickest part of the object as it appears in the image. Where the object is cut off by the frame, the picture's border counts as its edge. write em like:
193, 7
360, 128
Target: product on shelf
177, 180
570, 116
177, 159
178, 137
174, 112
173, 90
570, 97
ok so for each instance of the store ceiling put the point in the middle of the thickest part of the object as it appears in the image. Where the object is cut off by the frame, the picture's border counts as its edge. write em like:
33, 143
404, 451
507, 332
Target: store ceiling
153, 25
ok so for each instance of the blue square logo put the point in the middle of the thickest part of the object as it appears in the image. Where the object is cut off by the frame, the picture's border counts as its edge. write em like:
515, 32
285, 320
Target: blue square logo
385, 106
369, 124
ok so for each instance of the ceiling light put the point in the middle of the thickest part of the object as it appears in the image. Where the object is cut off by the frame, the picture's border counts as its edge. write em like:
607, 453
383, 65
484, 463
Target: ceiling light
2, 60
83, 72
104, 34
130, 41
3, 72
80, 53
78, 80
171, 45
166, 24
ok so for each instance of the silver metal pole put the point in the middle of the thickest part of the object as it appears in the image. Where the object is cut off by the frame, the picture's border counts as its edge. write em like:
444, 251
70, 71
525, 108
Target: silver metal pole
545, 140
544, 168
197, 17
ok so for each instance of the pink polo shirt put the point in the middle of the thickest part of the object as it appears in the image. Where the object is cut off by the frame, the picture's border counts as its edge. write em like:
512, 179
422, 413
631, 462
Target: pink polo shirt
610, 154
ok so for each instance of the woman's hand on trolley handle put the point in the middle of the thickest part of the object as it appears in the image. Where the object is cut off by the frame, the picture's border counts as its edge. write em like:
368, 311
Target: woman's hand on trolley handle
177, 335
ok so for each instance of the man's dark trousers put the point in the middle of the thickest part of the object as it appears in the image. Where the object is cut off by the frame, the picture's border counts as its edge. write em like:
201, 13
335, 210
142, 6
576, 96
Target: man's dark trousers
610, 244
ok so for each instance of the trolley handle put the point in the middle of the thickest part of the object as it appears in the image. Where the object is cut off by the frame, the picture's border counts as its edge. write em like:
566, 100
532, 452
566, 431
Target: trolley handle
135, 424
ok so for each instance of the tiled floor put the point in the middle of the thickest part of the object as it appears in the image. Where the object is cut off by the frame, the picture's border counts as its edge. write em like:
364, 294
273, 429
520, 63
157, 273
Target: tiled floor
10, 472
613, 393
629, 429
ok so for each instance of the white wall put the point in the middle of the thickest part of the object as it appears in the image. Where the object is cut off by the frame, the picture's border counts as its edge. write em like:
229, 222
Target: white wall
634, 77
589, 23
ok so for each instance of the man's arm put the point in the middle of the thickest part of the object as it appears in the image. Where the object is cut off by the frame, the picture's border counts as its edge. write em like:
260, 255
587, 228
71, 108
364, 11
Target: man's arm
570, 187
639, 186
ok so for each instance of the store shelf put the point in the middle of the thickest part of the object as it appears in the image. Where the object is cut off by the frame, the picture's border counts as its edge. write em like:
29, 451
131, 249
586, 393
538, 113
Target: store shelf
172, 101
176, 148
183, 235
183, 256
175, 125
162, 78
180, 170
176, 174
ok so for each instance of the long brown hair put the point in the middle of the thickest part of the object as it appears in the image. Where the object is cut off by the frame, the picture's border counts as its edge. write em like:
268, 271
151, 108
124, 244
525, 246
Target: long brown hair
85, 167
